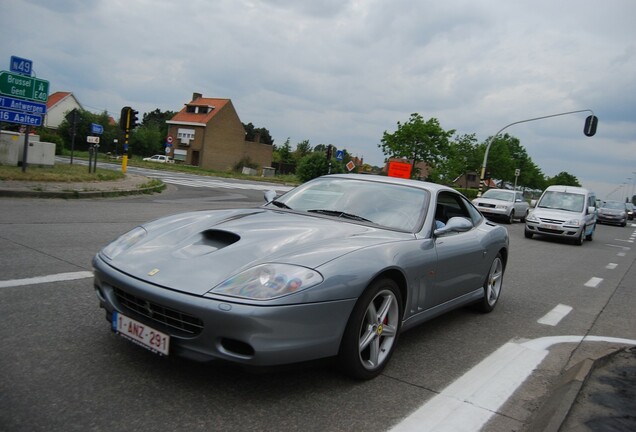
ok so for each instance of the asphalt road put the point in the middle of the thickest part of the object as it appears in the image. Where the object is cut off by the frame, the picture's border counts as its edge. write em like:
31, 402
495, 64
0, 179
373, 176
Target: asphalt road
62, 369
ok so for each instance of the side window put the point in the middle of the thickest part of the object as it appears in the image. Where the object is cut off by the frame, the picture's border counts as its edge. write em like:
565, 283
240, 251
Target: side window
454, 205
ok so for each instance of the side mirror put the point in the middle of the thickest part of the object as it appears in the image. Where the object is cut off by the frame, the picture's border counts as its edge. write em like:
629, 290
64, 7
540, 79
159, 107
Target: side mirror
533, 203
455, 224
270, 196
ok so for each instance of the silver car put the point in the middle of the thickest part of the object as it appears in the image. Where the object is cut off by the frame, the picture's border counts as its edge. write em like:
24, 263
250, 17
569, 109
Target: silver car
337, 267
613, 212
564, 212
503, 204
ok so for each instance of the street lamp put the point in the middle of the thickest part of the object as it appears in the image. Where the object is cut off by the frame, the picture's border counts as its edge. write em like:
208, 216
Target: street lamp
589, 130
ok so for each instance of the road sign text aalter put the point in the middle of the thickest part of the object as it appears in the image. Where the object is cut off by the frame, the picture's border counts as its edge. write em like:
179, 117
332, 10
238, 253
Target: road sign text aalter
22, 118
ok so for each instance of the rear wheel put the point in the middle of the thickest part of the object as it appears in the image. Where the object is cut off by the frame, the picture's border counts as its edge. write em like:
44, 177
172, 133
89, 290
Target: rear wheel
492, 285
372, 331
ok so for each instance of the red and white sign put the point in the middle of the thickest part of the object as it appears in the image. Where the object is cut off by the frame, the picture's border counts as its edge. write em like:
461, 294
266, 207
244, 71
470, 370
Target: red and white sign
169, 139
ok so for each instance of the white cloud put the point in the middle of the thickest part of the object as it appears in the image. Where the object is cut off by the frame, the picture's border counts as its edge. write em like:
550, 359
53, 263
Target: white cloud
342, 72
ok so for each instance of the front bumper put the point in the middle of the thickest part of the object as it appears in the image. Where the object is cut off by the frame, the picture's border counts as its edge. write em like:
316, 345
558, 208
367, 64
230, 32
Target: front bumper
553, 229
612, 219
249, 334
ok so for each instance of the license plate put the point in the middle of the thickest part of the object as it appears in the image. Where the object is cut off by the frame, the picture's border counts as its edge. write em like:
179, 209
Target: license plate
552, 227
141, 334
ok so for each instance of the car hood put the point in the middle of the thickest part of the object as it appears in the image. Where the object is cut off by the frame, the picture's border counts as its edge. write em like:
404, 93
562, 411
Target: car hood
611, 211
194, 252
491, 201
561, 215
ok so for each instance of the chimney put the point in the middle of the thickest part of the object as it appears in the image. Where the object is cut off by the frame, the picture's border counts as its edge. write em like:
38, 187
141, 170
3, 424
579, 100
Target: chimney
196, 96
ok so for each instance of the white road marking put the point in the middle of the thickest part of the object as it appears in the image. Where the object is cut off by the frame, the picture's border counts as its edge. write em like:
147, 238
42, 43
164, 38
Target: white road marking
46, 279
555, 316
611, 266
593, 282
468, 403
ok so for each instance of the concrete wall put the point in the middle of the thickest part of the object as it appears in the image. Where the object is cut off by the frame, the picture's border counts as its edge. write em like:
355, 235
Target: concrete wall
12, 150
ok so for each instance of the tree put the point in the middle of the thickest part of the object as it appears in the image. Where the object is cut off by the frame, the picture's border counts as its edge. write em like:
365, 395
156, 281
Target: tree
303, 148
315, 165
83, 130
251, 133
159, 119
563, 178
460, 158
283, 154
147, 140
417, 140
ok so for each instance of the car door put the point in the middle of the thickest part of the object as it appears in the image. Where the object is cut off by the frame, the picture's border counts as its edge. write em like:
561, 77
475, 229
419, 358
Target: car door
460, 256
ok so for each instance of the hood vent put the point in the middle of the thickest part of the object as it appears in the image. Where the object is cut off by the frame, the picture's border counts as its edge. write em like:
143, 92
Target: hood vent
206, 242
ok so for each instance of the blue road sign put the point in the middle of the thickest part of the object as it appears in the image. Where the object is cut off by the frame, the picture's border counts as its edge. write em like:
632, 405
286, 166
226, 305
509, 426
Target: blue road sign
21, 118
21, 65
22, 105
97, 129
340, 155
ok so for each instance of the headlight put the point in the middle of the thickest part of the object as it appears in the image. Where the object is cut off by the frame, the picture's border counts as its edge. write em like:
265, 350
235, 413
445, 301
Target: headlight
502, 207
573, 222
532, 218
124, 242
268, 281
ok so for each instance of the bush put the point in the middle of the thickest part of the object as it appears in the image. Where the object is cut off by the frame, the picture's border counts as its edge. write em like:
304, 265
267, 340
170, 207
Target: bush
315, 165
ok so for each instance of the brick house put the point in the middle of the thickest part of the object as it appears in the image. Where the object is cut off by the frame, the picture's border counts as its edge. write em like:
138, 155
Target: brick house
208, 133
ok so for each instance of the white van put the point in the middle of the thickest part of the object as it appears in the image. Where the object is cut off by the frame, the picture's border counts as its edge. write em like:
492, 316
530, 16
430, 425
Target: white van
565, 212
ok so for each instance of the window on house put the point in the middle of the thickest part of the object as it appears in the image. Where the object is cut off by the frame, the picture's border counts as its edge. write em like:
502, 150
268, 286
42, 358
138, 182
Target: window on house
185, 134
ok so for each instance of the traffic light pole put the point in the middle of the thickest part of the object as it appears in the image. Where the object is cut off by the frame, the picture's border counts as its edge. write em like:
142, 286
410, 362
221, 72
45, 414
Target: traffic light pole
590, 130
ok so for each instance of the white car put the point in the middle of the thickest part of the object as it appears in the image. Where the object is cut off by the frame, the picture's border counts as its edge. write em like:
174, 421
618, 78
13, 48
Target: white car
504, 204
159, 158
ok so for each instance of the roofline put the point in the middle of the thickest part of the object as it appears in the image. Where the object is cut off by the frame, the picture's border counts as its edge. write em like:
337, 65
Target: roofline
185, 123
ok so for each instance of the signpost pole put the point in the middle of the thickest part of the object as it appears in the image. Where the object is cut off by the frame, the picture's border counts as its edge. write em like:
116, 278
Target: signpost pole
25, 151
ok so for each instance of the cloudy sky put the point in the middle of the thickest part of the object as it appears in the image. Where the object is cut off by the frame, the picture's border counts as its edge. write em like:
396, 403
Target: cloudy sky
344, 71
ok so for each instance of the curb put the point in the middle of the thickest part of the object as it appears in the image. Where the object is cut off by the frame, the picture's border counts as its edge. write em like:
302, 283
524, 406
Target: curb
76, 194
556, 408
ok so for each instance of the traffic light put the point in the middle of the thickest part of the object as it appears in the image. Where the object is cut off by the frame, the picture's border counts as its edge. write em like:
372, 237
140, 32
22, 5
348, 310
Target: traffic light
129, 119
134, 120
591, 122
124, 120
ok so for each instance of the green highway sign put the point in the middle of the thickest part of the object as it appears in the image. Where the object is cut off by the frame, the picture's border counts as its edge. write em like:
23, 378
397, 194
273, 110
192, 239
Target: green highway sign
24, 87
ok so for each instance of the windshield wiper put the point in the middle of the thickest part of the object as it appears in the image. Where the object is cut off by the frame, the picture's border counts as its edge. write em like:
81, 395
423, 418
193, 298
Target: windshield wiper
341, 214
280, 204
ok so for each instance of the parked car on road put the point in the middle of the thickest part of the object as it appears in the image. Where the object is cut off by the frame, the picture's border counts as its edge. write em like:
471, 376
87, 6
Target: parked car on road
503, 204
336, 267
565, 212
613, 212
159, 158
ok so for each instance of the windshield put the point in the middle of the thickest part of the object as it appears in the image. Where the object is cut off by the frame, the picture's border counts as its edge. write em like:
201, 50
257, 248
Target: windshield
500, 195
393, 206
614, 205
562, 201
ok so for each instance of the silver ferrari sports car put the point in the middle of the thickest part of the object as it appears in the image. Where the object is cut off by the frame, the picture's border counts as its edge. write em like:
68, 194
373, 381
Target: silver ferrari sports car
336, 267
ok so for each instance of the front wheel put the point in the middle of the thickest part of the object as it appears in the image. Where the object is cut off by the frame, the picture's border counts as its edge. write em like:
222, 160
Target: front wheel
372, 331
511, 217
492, 285
581, 238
